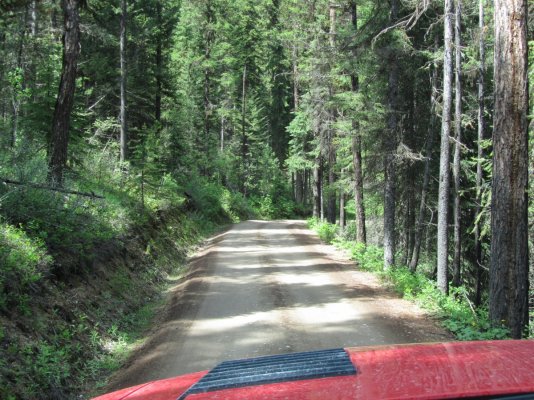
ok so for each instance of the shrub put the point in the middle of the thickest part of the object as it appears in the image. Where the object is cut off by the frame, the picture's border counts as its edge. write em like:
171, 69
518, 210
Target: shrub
23, 260
266, 207
327, 232
273, 206
456, 311
235, 205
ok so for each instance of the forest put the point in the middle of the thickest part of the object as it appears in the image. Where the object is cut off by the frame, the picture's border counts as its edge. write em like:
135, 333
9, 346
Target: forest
401, 129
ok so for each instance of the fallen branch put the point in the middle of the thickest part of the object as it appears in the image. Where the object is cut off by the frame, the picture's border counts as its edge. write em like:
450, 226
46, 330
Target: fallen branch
55, 189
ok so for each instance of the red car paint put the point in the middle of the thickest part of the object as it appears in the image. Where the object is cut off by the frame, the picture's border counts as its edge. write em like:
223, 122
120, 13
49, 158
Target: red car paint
421, 371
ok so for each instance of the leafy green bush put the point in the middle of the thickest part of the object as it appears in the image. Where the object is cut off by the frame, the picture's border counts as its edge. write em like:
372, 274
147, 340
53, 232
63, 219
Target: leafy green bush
369, 258
266, 207
349, 233
23, 260
312, 222
204, 197
456, 311
236, 205
273, 207
327, 232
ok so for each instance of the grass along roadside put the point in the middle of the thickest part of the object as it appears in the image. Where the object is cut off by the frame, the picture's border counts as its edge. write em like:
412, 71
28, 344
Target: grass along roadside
455, 311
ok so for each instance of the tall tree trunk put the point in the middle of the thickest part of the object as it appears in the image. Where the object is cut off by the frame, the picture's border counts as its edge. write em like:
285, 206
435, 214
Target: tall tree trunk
409, 222
390, 149
223, 125
299, 187
456, 263
207, 80
15, 98
34, 28
159, 63
124, 76
317, 189
342, 214
65, 99
508, 300
295, 79
361, 233
426, 175
33, 18
331, 198
2, 74
444, 173
409, 135
244, 140
480, 152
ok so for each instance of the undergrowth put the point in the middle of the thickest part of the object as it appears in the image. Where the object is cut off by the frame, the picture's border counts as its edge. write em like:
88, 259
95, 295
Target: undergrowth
455, 310
80, 275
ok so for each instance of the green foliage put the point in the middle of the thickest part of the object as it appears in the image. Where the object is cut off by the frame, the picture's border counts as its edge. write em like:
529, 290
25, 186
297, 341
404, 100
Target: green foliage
327, 232
23, 261
236, 206
455, 310
205, 198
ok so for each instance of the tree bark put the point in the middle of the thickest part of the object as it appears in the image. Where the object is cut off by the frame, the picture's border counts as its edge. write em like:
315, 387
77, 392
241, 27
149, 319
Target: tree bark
33, 23
480, 153
223, 124
207, 79
409, 135
244, 140
295, 79
159, 62
426, 175
390, 149
331, 199
361, 233
508, 300
15, 98
65, 98
124, 77
444, 174
317, 189
342, 215
331, 195
456, 263
51, 188
299, 187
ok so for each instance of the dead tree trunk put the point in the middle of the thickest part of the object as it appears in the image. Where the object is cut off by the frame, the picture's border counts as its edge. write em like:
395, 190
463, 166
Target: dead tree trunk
426, 175
244, 139
65, 99
390, 145
15, 98
342, 215
124, 76
300, 178
480, 152
159, 63
508, 296
444, 175
456, 263
331, 194
317, 189
209, 37
361, 233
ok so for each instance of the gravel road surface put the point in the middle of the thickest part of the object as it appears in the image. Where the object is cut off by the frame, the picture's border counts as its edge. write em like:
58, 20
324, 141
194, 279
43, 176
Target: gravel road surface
265, 288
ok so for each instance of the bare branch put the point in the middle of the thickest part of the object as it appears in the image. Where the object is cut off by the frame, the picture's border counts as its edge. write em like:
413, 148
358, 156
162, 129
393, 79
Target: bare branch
54, 189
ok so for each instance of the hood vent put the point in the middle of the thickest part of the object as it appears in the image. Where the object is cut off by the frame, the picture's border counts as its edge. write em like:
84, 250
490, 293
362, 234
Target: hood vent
274, 369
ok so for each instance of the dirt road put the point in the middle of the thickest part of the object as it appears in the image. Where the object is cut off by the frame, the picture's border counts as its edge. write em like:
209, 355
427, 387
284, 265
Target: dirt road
266, 288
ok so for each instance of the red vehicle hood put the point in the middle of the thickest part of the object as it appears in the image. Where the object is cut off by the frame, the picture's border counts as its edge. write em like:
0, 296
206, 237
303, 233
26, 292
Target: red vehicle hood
421, 371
